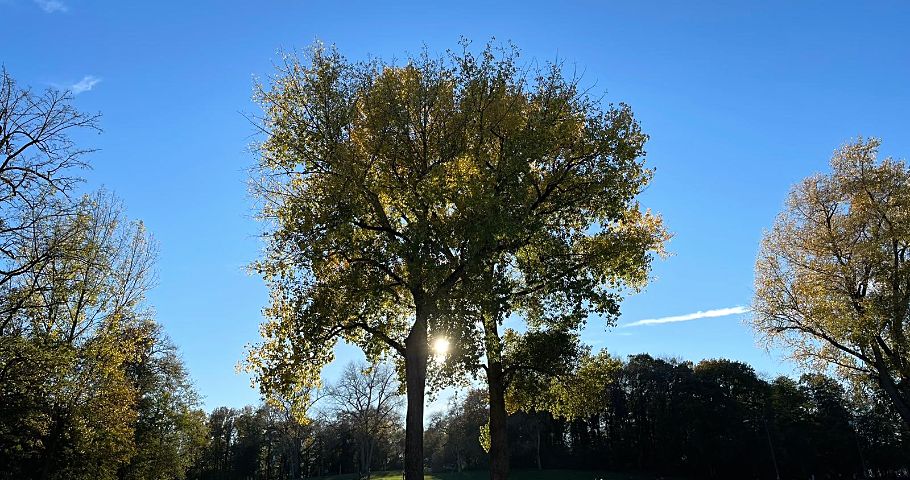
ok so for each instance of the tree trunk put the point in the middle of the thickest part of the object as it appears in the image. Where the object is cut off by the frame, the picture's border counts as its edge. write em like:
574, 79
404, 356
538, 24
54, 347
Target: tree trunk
361, 460
900, 401
899, 396
297, 465
539, 463
416, 381
499, 441
368, 463
268, 456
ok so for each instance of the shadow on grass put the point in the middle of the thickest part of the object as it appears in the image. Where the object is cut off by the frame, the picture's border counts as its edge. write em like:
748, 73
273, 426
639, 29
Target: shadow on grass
515, 475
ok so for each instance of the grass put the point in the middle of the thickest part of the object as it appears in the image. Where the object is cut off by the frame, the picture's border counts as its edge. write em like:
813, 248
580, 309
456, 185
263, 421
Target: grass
514, 475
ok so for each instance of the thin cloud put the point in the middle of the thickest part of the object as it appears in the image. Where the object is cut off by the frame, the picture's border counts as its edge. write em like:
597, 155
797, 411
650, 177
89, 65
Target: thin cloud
52, 6
87, 83
718, 312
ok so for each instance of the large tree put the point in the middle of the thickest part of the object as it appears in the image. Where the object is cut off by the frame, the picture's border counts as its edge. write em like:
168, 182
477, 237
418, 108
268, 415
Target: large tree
368, 190
398, 198
833, 275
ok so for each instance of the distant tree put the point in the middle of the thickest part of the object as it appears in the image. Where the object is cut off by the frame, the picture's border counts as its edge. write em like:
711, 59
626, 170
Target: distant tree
454, 436
290, 422
170, 428
830, 423
714, 420
216, 461
368, 398
730, 419
578, 391
881, 435
789, 426
237, 446
833, 275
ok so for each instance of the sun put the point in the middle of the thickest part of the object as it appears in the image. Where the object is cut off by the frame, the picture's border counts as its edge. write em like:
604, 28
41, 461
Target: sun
441, 346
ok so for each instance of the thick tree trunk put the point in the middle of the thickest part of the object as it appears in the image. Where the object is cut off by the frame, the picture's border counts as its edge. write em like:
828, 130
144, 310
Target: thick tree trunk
499, 441
898, 393
899, 399
416, 381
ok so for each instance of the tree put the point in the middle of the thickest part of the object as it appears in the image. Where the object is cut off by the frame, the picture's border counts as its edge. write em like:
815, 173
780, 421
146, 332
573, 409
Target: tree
170, 428
830, 422
67, 345
833, 275
400, 196
731, 417
89, 385
367, 396
37, 163
880, 432
454, 436
665, 417
572, 392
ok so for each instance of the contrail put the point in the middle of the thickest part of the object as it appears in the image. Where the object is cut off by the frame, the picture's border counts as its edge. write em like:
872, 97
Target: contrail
718, 312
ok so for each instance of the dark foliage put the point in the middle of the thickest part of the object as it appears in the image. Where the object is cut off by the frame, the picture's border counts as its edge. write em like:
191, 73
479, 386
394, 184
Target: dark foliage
714, 419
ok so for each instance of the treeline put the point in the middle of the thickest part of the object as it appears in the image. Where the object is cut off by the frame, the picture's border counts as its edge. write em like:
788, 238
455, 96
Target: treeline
265, 443
90, 386
358, 428
713, 419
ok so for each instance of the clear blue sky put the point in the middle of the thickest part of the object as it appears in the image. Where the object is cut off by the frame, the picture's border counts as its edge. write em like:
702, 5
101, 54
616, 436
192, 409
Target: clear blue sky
741, 100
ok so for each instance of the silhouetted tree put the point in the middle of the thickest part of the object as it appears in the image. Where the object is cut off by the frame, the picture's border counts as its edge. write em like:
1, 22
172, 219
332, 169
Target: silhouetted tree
366, 396
398, 197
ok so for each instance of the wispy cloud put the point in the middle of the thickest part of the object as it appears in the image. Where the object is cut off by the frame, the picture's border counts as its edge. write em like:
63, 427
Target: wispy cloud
718, 312
52, 6
87, 83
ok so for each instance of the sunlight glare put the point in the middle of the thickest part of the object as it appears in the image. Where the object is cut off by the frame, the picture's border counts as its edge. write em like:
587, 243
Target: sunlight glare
441, 346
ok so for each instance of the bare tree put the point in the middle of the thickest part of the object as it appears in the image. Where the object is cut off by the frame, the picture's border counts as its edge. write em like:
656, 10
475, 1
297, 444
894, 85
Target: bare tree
367, 396
38, 160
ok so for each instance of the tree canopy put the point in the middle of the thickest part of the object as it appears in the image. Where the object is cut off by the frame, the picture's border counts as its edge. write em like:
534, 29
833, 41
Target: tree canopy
391, 192
833, 275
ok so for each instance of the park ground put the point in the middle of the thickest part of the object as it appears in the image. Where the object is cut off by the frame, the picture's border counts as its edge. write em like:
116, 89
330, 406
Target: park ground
515, 475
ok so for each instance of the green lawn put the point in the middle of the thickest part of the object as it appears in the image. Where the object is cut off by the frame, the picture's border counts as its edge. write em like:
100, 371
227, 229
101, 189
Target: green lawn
515, 475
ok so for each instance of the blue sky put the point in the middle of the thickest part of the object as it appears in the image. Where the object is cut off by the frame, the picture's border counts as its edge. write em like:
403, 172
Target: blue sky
741, 99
